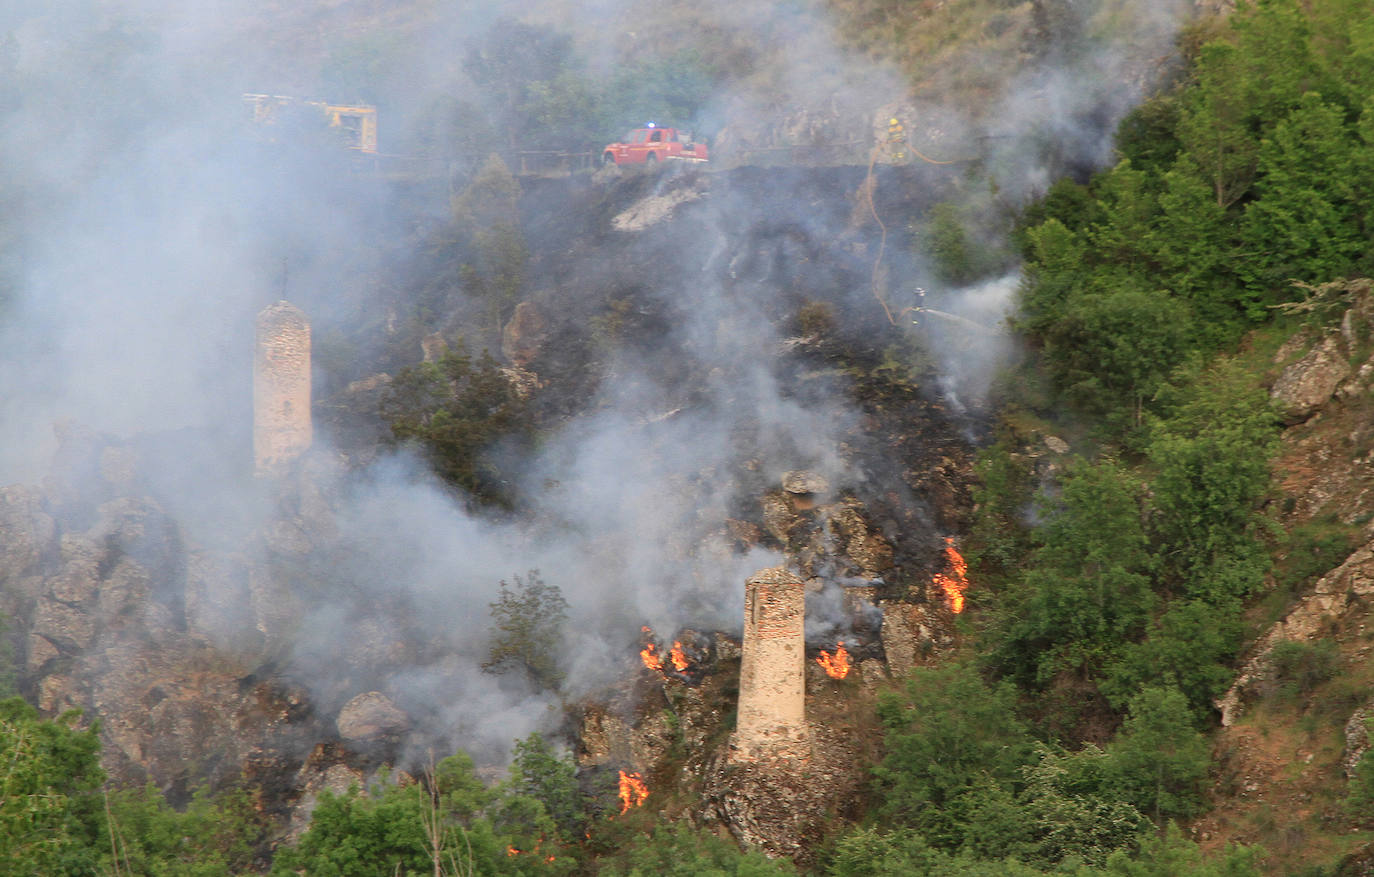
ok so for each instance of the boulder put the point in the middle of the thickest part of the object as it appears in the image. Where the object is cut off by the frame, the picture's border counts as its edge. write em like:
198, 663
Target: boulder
369, 716
1309, 383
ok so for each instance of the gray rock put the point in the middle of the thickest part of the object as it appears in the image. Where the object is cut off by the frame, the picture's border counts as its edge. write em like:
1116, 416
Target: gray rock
804, 481
68, 627
371, 715
78, 578
26, 531
1356, 738
1056, 444
1309, 383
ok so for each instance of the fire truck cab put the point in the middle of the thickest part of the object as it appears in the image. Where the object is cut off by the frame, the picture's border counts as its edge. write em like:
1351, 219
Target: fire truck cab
652, 144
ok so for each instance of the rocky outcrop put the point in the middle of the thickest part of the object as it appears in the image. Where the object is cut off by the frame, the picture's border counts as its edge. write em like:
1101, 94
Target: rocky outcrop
524, 335
913, 632
1356, 738
1309, 383
1334, 593
371, 716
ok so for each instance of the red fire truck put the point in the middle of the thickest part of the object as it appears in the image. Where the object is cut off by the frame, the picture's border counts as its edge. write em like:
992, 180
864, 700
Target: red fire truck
652, 144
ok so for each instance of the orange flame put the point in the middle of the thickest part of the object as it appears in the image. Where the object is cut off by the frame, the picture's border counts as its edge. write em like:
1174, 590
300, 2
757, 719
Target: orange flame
512, 852
633, 790
837, 665
678, 656
956, 582
651, 658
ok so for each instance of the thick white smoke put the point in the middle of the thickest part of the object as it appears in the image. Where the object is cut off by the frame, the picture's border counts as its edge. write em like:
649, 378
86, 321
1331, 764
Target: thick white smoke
152, 233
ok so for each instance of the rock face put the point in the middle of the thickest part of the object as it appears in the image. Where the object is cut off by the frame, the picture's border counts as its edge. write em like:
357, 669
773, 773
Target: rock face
1334, 593
371, 716
524, 335
1307, 384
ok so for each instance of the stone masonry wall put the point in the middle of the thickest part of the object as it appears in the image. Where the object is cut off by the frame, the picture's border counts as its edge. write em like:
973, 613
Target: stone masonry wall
772, 691
282, 429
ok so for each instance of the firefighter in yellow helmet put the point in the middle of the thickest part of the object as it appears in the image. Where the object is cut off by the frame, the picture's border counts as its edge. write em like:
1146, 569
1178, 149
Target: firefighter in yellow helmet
896, 140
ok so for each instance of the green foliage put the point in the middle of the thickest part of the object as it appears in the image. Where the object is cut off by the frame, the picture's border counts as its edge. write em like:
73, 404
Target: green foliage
1297, 667
1304, 223
457, 410
49, 772
1190, 646
487, 218
446, 823
1000, 536
355, 836
672, 87
959, 259
1159, 761
947, 734
680, 851
1258, 172
1147, 135
1314, 548
539, 774
215, 836
904, 853
1072, 811
1087, 590
1211, 461
1173, 855
528, 621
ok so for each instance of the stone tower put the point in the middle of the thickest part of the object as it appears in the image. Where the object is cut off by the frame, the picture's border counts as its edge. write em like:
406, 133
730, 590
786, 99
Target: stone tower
281, 386
772, 684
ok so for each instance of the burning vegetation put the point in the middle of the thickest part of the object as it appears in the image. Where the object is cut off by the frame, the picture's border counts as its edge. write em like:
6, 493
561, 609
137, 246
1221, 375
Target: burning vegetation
653, 659
633, 790
836, 666
954, 582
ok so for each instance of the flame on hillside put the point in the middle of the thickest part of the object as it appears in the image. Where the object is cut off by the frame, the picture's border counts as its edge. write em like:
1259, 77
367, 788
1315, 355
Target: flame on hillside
633, 790
955, 582
651, 658
836, 666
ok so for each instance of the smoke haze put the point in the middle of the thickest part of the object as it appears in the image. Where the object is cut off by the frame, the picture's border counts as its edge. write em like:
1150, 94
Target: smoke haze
151, 227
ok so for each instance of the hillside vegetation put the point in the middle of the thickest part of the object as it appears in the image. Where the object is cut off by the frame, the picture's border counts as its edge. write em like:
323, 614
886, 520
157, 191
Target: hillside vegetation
1117, 589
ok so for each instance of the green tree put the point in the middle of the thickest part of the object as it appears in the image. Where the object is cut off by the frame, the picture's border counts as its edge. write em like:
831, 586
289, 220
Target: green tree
1304, 224
1214, 125
680, 851
457, 410
528, 620
49, 771
538, 773
442, 826
1111, 351
1087, 591
947, 733
1191, 646
1070, 812
1159, 761
486, 216
1211, 462
1192, 242
215, 836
